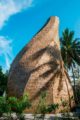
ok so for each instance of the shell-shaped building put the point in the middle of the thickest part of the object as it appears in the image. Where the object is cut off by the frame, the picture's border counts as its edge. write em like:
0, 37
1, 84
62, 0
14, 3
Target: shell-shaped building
39, 67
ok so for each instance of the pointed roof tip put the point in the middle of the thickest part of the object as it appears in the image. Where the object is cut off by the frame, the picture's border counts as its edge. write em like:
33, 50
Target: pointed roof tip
55, 17
51, 20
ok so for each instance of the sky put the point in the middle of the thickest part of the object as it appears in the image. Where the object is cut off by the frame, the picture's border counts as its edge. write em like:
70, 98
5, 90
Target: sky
20, 20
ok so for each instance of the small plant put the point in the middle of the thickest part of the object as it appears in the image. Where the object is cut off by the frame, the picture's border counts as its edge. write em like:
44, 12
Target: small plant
19, 105
65, 105
52, 107
43, 108
42, 103
13, 104
4, 107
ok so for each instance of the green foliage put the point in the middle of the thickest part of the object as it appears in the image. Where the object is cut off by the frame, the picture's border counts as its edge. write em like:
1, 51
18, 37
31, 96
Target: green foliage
43, 108
42, 104
19, 105
52, 107
13, 104
64, 103
70, 48
4, 107
3, 81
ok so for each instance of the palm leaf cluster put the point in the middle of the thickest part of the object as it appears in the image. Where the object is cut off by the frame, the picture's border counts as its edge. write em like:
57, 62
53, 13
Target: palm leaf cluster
70, 48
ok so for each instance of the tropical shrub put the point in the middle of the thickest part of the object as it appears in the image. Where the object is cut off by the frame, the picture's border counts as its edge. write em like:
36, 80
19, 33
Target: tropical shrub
19, 105
13, 104
4, 107
52, 107
43, 108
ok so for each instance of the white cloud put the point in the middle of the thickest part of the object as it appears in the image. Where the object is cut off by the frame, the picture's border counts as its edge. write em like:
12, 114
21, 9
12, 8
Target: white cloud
11, 7
6, 50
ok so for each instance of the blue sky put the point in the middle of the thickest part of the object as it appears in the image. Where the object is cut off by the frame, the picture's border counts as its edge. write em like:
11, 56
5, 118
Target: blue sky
21, 19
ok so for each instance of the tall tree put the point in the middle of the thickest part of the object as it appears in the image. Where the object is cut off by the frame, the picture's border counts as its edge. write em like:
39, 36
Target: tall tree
70, 50
3, 81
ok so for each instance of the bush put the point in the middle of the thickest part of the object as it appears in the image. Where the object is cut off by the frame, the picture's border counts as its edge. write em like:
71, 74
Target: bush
13, 104
3, 81
43, 108
19, 105
52, 107
4, 107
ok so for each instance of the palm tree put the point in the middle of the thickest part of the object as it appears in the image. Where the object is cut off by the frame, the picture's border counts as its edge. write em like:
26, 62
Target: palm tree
70, 50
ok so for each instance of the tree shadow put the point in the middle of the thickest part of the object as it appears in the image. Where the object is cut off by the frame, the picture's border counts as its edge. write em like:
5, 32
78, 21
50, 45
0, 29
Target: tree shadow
24, 74
46, 86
